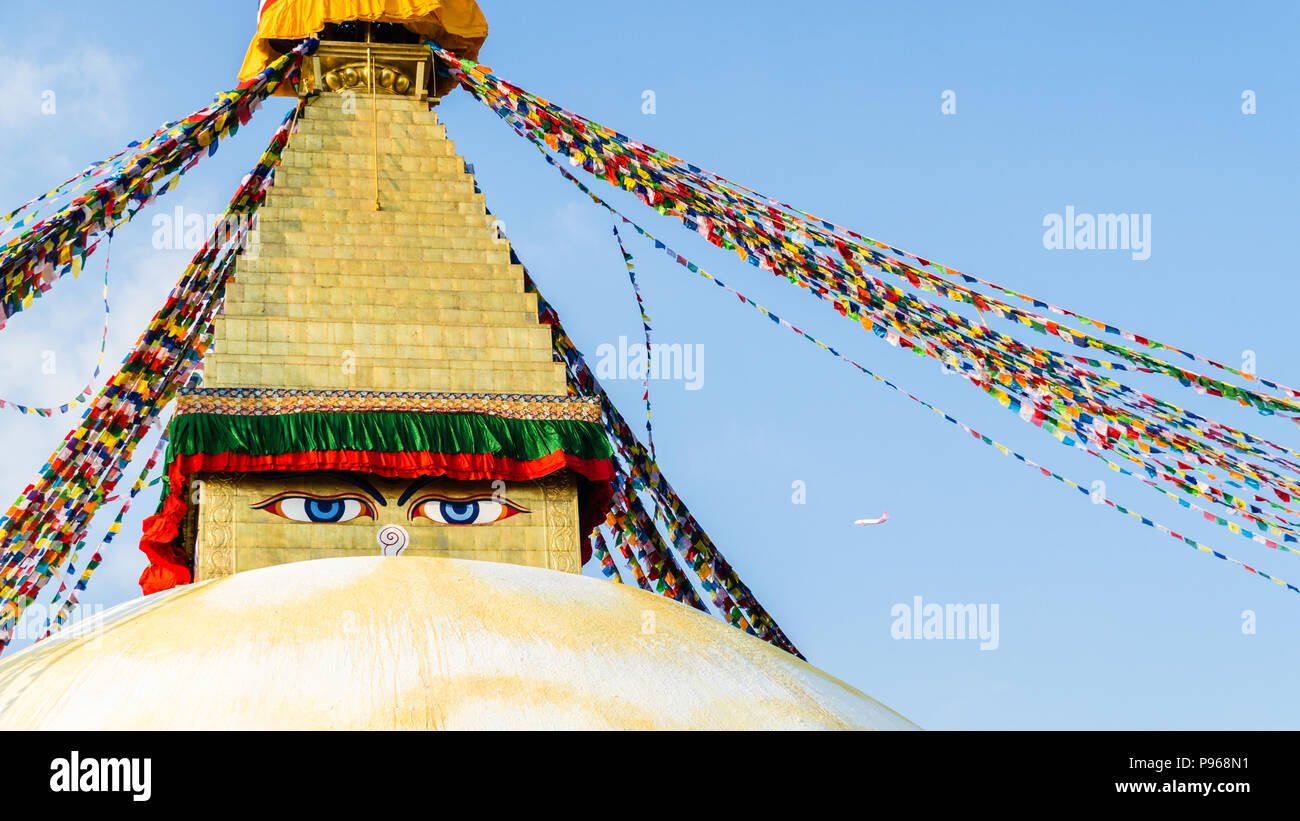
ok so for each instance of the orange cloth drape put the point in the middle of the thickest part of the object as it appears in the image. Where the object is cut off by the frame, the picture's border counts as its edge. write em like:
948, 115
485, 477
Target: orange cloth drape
457, 25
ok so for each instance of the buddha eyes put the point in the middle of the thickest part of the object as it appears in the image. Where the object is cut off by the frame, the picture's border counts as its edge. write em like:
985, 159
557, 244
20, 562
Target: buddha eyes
302, 507
464, 511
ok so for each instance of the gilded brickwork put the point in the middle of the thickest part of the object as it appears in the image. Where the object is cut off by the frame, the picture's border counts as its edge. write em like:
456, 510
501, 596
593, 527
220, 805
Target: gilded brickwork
417, 296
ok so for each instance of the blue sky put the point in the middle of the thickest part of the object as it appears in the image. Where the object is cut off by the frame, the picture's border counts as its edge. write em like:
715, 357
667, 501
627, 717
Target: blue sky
1109, 107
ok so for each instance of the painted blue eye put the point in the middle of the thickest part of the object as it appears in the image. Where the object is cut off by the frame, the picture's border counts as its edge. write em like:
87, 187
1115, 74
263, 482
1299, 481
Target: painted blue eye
464, 511
324, 510
317, 511
459, 513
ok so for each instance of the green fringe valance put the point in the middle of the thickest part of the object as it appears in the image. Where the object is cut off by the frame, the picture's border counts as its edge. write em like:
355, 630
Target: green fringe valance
520, 439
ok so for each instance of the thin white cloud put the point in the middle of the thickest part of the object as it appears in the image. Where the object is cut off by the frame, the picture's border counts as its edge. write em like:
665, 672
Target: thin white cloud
84, 85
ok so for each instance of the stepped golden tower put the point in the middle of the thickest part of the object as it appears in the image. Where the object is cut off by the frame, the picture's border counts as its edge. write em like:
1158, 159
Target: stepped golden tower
418, 295
377, 288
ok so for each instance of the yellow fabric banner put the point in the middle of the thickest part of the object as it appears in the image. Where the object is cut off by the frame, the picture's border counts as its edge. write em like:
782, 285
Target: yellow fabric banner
457, 25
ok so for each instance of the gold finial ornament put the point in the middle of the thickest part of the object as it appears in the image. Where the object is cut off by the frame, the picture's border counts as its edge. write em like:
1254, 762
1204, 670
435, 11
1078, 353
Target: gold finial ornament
392, 80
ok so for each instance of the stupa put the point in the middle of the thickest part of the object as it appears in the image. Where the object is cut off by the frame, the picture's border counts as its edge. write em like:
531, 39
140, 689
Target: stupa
377, 504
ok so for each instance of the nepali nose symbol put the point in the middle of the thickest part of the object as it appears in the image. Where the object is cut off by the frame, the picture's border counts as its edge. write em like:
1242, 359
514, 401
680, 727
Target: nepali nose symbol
392, 540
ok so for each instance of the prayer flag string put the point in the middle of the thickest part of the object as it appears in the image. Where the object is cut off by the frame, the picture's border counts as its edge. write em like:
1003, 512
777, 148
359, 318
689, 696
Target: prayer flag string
645, 325
40, 253
1175, 451
58, 616
653, 562
730, 596
85, 393
50, 517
